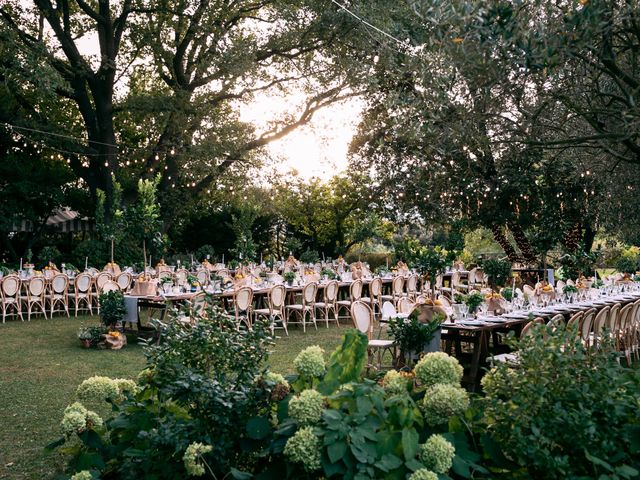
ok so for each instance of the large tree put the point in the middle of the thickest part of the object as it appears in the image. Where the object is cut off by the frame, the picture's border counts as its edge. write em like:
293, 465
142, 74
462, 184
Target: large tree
460, 124
157, 89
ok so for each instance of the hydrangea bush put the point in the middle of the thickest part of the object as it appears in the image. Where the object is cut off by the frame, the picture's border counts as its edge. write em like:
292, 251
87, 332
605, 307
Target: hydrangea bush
204, 407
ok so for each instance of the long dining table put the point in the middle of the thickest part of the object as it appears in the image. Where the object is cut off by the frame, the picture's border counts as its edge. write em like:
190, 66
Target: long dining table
478, 332
160, 303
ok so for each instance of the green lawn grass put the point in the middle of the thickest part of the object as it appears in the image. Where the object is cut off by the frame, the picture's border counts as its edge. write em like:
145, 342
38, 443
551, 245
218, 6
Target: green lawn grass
42, 363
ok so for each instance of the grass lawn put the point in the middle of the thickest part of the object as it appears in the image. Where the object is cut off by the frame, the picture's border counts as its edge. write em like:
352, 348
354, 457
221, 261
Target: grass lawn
42, 363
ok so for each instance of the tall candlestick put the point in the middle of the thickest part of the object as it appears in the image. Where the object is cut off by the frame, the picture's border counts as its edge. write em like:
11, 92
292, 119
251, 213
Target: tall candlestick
20, 264
86, 263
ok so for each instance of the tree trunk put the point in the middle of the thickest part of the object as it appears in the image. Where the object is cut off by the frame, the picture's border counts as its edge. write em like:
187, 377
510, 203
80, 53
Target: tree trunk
571, 239
588, 238
502, 240
523, 243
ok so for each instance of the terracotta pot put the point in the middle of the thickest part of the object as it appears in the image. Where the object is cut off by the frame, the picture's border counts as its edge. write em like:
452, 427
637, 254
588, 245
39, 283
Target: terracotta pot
86, 343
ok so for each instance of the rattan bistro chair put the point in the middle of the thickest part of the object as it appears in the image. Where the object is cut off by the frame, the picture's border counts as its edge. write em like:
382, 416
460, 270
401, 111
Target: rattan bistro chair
362, 317
300, 311
355, 294
11, 301
275, 309
35, 297
59, 295
243, 305
82, 293
329, 303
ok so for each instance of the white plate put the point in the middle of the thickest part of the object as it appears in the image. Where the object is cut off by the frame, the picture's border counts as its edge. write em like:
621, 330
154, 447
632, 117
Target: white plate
495, 320
471, 323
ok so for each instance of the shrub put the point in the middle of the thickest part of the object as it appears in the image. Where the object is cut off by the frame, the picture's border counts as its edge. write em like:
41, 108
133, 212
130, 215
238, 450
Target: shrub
203, 407
565, 412
200, 387
203, 251
627, 263
309, 256
49, 254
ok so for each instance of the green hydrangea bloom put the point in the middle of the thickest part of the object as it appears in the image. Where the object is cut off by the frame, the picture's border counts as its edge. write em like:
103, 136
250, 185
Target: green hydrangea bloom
98, 388
126, 385
77, 419
304, 447
438, 367
83, 475
437, 454
192, 456
275, 378
394, 383
442, 401
306, 408
146, 376
310, 362
423, 474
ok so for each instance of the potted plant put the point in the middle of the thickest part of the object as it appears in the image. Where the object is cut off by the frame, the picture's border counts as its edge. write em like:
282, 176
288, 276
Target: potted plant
90, 336
570, 291
507, 293
112, 308
85, 336
289, 277
431, 262
328, 273
497, 272
414, 337
192, 280
473, 301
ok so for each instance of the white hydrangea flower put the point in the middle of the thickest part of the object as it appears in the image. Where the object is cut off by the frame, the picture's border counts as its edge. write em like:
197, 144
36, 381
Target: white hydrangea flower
438, 367
442, 401
77, 419
191, 458
423, 474
306, 408
304, 447
437, 454
99, 389
83, 475
310, 362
